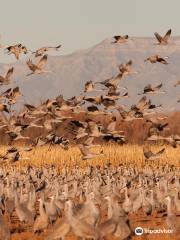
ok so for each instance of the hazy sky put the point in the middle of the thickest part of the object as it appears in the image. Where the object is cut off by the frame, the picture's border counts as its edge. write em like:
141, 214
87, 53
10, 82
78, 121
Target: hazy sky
81, 24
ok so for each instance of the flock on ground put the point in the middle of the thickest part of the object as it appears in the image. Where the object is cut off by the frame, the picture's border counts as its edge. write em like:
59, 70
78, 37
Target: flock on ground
94, 202
91, 203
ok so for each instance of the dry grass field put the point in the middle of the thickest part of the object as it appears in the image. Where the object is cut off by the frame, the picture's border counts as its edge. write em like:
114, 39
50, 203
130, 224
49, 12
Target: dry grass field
115, 154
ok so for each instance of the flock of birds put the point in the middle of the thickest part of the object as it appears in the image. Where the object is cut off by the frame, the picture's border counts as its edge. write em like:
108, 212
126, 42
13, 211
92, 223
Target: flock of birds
91, 203
76, 201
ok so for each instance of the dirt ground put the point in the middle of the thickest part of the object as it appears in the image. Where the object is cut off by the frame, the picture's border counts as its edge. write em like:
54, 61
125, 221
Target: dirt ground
24, 232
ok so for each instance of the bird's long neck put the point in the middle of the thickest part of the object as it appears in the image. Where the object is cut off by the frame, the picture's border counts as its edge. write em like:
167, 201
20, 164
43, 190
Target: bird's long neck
52, 201
110, 209
70, 212
152, 197
126, 194
42, 208
16, 199
169, 208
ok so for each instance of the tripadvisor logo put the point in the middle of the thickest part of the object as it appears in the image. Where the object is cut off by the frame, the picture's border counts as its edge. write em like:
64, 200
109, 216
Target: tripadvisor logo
139, 231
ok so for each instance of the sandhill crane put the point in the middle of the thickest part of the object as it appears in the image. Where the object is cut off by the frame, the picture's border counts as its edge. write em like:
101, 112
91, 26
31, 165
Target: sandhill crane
79, 227
60, 230
37, 68
173, 140
30, 107
88, 211
4, 229
12, 94
125, 69
31, 201
127, 204
81, 132
86, 153
116, 224
112, 91
157, 127
11, 155
93, 109
52, 210
4, 108
163, 40
23, 213
96, 100
157, 58
17, 50
153, 90
120, 39
149, 155
4, 80
94, 129
88, 143
112, 82
89, 86
41, 51
42, 221
172, 220
177, 200
177, 83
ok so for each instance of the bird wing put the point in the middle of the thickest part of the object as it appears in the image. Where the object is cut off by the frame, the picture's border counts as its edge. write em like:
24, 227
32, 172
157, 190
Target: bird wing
79, 123
167, 35
55, 48
92, 108
141, 103
158, 87
40, 51
81, 130
30, 107
93, 127
7, 92
9, 73
2, 79
12, 150
84, 150
162, 60
165, 125
117, 37
89, 141
16, 92
112, 126
129, 63
148, 154
125, 36
160, 152
111, 91
90, 99
31, 65
159, 38
147, 88
42, 62
88, 85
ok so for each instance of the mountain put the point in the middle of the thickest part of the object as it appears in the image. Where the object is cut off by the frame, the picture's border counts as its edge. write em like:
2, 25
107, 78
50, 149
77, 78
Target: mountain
70, 72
